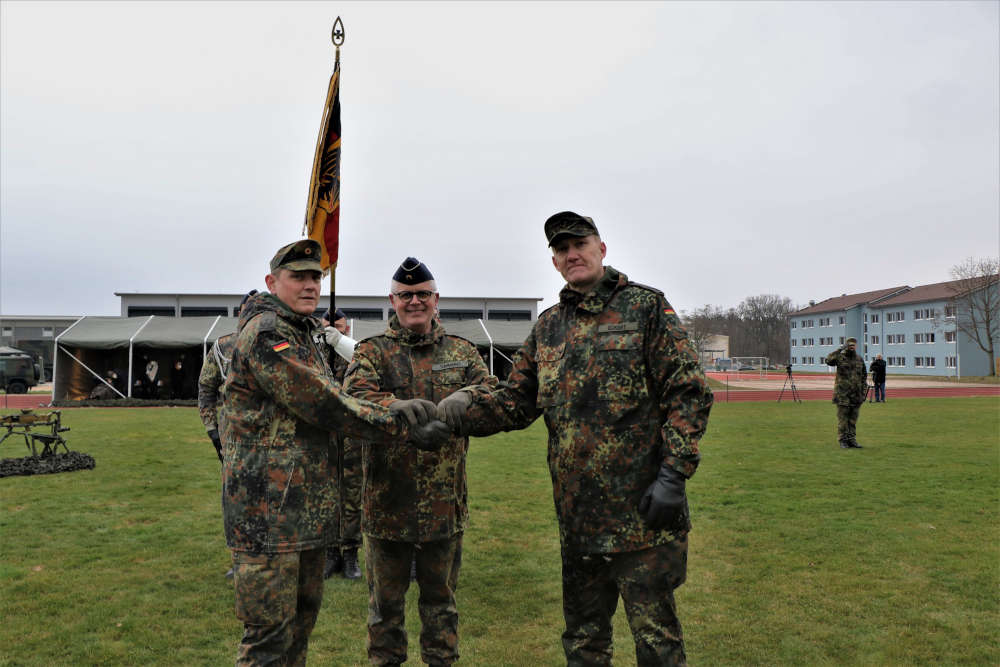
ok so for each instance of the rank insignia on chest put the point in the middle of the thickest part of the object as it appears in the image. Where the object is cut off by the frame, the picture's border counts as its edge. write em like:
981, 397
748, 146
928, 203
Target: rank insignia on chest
283, 345
447, 365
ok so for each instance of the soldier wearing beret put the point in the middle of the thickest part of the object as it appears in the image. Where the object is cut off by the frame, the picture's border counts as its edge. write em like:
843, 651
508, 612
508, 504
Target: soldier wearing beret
342, 555
280, 404
415, 503
849, 391
625, 402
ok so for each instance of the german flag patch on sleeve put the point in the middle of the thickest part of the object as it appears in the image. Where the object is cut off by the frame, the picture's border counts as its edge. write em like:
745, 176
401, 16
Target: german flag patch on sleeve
283, 345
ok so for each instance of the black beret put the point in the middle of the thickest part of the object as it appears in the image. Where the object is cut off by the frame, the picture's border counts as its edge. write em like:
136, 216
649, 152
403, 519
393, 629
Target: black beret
243, 301
568, 223
337, 315
411, 272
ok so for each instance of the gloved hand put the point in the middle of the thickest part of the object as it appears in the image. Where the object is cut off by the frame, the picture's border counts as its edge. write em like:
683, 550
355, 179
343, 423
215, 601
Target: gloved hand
416, 410
663, 503
452, 411
213, 435
341, 344
430, 436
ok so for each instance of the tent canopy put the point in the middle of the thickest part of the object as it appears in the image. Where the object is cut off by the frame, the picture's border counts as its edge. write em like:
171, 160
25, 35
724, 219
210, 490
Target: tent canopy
106, 333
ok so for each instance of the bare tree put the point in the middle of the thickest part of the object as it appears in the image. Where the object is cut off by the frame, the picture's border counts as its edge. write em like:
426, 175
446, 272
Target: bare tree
976, 300
701, 325
765, 324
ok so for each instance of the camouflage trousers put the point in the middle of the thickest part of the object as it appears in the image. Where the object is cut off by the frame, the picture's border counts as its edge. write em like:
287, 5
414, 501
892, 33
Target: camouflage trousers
278, 597
847, 420
645, 580
387, 565
349, 452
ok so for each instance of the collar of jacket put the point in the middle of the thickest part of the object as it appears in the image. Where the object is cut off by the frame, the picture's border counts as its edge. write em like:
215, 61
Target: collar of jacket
266, 302
404, 336
595, 300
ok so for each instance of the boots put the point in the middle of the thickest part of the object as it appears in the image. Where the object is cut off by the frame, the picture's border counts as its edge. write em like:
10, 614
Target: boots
351, 569
334, 563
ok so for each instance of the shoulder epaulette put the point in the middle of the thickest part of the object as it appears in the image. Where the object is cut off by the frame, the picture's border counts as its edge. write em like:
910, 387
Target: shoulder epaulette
645, 287
555, 305
268, 321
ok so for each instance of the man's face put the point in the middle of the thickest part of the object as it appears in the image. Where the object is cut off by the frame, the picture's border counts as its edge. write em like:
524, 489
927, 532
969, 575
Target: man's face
580, 260
851, 347
299, 290
414, 314
342, 326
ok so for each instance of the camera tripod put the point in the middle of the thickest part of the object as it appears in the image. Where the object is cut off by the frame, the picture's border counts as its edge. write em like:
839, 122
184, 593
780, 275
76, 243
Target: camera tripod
790, 381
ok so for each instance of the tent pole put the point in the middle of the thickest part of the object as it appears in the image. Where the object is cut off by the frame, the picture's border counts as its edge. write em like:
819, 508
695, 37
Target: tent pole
130, 353
96, 375
489, 338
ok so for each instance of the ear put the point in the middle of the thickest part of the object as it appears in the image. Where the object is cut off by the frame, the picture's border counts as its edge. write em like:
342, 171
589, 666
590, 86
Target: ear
556, 266
270, 280
604, 250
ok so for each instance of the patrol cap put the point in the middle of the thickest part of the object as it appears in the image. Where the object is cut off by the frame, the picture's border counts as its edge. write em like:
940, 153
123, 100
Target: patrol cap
852, 340
568, 223
336, 315
302, 255
412, 272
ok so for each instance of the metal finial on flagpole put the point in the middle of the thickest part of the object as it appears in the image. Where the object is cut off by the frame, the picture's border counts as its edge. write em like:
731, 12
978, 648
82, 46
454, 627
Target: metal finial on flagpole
337, 34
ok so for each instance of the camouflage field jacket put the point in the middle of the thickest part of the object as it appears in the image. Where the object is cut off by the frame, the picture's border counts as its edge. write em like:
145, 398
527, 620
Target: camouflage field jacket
851, 384
622, 392
213, 374
410, 495
280, 404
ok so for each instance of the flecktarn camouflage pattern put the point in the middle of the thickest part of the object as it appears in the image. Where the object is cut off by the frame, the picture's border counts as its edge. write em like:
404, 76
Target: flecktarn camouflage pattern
622, 392
280, 405
211, 379
849, 391
409, 494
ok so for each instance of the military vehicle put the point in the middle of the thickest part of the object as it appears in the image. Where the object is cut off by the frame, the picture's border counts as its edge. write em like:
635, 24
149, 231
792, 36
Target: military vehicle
19, 372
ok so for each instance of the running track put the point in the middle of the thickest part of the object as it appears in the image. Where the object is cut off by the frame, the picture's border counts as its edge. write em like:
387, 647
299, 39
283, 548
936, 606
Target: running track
18, 401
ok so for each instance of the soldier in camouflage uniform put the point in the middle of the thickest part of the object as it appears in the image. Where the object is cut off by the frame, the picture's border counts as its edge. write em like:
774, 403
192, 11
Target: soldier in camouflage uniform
342, 556
625, 402
280, 404
849, 391
415, 503
213, 374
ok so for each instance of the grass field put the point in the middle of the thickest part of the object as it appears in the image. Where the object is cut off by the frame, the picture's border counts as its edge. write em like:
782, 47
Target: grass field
802, 553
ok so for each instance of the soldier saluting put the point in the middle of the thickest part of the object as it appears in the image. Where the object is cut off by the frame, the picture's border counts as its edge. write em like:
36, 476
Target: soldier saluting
280, 403
849, 391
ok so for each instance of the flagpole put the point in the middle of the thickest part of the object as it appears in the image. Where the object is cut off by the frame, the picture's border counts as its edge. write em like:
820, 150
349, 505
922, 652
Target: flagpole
337, 35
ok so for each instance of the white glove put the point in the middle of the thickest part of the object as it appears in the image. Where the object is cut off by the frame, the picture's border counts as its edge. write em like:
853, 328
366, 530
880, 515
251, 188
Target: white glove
341, 344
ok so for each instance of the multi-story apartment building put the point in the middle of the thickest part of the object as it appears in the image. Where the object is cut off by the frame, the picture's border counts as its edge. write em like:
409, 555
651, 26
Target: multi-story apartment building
913, 328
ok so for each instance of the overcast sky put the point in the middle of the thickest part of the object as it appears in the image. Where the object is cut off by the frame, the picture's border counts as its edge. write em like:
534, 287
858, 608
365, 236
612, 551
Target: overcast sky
725, 150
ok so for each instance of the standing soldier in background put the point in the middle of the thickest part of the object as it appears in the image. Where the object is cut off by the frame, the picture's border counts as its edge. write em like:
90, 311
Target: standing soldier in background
342, 556
849, 391
213, 374
279, 405
625, 403
415, 502
878, 378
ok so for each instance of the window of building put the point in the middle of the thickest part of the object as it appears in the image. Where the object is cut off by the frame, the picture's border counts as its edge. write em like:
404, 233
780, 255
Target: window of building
866, 317
793, 324
7, 331
455, 314
47, 332
874, 340
199, 311
510, 315
824, 321
874, 318
918, 338
363, 313
866, 328
794, 343
951, 362
143, 311
929, 338
840, 320
795, 360
841, 340
949, 311
918, 361
949, 336
929, 362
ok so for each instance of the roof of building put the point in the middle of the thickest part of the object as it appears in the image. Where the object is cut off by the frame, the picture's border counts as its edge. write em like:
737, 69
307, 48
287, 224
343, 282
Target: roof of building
845, 301
934, 292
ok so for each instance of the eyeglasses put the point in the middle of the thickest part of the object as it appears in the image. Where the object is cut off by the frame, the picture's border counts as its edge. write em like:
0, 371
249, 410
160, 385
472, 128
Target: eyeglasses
423, 295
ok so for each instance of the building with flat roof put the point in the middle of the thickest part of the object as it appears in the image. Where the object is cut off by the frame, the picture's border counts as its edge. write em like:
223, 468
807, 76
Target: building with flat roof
913, 328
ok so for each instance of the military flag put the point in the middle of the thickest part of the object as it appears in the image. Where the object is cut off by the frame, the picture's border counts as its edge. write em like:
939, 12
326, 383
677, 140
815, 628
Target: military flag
323, 210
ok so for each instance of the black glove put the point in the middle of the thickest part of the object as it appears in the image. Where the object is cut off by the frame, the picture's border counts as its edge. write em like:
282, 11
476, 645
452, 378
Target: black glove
662, 505
416, 410
430, 436
452, 411
216, 442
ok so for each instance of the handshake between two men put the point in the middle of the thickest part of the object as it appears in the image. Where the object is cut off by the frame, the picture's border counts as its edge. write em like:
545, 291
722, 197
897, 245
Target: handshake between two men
431, 424
661, 506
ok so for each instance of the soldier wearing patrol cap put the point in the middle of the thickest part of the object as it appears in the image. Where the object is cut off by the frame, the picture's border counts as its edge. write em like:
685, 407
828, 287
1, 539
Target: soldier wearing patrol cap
414, 503
625, 402
849, 391
280, 405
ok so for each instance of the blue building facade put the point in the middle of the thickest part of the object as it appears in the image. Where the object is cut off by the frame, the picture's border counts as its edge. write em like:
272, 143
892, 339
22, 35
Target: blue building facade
913, 328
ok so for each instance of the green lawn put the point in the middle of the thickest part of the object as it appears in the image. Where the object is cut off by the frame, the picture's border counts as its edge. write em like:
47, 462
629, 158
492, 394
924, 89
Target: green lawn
802, 553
